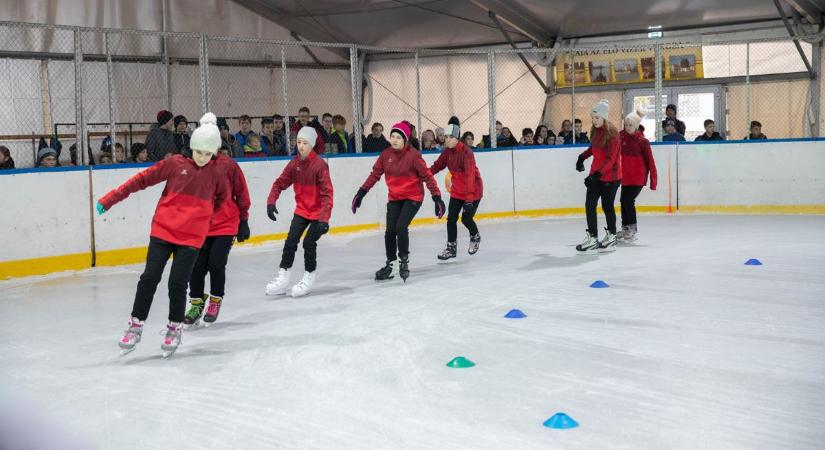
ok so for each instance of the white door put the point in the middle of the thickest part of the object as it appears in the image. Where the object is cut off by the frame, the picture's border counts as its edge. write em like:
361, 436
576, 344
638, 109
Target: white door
694, 104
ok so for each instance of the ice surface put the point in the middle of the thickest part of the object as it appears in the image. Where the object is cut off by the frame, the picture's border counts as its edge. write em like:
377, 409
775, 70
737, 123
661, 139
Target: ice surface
687, 348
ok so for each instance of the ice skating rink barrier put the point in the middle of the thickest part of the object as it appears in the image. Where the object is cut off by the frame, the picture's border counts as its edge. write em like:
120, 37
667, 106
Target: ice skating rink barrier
49, 224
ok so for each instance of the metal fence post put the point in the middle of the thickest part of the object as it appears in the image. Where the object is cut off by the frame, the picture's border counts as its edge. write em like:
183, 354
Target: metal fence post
356, 98
80, 127
748, 87
418, 94
491, 97
573, 96
203, 61
110, 90
657, 114
285, 93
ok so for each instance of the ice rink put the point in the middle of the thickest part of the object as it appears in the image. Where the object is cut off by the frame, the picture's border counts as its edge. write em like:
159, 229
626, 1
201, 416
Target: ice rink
687, 348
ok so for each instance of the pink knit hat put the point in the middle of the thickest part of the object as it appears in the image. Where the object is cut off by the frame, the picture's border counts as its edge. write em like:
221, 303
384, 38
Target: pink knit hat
402, 128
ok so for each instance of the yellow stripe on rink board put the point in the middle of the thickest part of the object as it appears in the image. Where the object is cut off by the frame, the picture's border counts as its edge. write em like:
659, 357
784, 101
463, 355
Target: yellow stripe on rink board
45, 265
81, 261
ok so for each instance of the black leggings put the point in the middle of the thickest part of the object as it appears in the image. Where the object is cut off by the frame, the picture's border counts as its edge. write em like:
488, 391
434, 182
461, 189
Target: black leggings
212, 259
628, 201
397, 236
454, 210
607, 192
156, 257
296, 229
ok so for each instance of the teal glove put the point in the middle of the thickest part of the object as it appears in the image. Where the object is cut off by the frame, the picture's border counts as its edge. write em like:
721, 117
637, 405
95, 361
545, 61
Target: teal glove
100, 209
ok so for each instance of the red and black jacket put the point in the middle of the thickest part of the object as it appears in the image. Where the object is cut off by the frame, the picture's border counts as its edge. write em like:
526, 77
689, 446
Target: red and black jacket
228, 216
190, 197
404, 171
606, 159
637, 160
466, 178
313, 187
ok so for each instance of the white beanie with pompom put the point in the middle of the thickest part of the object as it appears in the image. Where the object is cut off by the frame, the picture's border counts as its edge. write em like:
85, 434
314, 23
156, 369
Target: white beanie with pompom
207, 137
635, 118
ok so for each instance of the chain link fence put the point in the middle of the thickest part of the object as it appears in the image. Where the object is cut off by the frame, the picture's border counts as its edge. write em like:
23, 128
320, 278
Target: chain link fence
76, 87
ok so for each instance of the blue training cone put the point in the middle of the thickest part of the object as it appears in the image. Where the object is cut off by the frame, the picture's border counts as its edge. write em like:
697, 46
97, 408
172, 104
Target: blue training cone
753, 262
560, 421
515, 314
599, 284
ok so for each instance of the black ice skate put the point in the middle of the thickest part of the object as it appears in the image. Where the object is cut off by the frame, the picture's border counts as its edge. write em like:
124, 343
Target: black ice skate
449, 252
385, 273
404, 268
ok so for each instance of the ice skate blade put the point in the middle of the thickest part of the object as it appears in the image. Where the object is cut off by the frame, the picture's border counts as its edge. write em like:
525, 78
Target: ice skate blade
587, 252
126, 351
610, 249
167, 353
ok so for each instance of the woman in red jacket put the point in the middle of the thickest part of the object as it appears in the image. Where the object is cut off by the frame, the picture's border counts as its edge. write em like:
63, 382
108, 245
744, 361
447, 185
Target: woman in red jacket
405, 172
228, 221
465, 191
194, 189
637, 163
308, 173
603, 181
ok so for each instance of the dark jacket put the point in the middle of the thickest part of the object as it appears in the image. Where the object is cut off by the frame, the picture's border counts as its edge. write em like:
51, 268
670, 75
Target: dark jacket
750, 137
181, 141
278, 146
714, 137
159, 142
375, 145
7, 164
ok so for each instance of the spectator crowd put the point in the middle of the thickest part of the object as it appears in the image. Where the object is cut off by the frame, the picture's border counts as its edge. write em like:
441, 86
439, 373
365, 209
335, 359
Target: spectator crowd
273, 136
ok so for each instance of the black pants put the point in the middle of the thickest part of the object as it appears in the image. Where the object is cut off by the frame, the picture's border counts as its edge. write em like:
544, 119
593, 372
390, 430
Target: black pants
296, 229
397, 237
628, 201
607, 192
454, 210
159, 252
212, 259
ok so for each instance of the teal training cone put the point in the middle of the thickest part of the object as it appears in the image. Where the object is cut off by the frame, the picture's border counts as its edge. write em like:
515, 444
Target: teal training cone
460, 362
599, 284
560, 421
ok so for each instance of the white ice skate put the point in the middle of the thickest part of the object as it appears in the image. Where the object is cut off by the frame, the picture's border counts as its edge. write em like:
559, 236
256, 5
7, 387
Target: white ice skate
305, 285
589, 245
278, 286
475, 240
608, 243
171, 341
131, 336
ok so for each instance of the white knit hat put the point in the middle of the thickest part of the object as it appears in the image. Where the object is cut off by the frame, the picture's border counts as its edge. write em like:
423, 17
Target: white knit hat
635, 118
309, 134
601, 109
207, 137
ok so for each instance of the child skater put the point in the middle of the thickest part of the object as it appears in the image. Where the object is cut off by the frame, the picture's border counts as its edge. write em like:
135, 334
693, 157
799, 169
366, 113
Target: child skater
228, 222
405, 171
465, 190
603, 181
194, 189
308, 173
637, 164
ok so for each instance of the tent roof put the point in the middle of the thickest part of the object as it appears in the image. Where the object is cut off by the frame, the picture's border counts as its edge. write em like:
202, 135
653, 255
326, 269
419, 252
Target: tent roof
464, 23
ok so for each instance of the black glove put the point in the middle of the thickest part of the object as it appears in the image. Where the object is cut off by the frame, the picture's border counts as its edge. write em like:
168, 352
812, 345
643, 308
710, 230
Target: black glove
356, 201
440, 207
243, 231
323, 228
593, 179
271, 210
468, 207
580, 164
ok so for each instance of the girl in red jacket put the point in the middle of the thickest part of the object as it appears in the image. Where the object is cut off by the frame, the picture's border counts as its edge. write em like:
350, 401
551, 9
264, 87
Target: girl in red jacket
637, 163
405, 171
228, 221
603, 181
308, 173
465, 191
194, 189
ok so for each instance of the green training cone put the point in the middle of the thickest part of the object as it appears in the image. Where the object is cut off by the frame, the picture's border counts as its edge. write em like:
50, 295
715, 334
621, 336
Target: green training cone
460, 362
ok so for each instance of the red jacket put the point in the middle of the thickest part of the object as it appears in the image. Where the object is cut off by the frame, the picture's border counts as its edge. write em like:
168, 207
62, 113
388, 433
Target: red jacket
607, 160
404, 172
637, 160
312, 185
461, 162
319, 141
191, 194
228, 216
